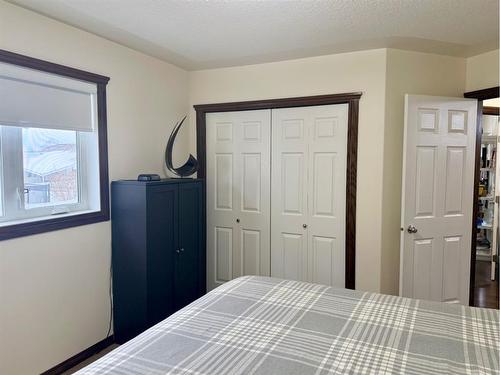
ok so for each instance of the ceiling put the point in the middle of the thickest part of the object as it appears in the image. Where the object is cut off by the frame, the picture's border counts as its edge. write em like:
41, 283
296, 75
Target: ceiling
209, 34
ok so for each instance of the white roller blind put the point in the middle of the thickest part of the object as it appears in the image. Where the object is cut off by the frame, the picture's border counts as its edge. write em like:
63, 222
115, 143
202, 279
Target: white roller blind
30, 98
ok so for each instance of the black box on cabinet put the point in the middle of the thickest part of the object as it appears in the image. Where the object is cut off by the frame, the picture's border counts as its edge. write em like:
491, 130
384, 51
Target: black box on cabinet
158, 251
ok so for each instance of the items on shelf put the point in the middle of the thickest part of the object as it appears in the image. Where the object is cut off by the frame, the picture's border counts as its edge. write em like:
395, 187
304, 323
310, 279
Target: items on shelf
487, 209
483, 242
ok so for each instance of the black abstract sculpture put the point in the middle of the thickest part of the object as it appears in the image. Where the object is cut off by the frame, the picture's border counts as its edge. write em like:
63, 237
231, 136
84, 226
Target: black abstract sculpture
190, 166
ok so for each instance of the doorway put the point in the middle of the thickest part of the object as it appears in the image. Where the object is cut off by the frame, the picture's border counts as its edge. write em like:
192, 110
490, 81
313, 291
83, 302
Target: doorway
484, 275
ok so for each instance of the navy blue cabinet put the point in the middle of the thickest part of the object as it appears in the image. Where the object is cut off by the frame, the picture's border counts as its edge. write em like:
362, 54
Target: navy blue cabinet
158, 254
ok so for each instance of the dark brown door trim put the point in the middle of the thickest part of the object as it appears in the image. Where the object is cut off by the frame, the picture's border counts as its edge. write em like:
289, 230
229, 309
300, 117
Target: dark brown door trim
489, 93
352, 99
480, 95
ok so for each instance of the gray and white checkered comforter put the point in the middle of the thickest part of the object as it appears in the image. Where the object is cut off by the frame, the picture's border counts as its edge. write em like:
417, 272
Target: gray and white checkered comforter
259, 325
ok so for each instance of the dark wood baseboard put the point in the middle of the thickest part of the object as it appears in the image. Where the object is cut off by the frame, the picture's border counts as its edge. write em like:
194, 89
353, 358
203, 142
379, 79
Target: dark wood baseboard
80, 357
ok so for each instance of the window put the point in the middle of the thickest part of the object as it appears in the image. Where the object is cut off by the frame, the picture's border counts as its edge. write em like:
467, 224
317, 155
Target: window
44, 173
53, 152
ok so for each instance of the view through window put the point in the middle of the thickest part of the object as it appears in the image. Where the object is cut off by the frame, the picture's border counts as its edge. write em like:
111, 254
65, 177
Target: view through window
50, 167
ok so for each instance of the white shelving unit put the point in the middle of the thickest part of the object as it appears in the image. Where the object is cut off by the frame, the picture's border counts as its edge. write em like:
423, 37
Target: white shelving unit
488, 221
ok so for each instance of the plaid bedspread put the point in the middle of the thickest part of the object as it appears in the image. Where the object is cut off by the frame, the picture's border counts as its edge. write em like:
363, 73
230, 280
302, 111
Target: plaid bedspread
258, 325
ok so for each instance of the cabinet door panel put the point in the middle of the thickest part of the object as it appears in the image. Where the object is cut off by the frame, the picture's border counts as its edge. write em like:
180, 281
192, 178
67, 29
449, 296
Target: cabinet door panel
162, 242
187, 260
128, 222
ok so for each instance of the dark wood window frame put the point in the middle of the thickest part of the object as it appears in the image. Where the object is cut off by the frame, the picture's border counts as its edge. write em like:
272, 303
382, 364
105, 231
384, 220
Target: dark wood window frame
480, 95
352, 99
46, 225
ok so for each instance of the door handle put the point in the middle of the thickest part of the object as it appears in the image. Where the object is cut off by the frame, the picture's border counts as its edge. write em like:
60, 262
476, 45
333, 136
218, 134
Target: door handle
412, 229
177, 251
304, 226
238, 220
182, 249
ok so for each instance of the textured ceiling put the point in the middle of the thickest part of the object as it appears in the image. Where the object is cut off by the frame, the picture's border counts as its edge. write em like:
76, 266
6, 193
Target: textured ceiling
207, 34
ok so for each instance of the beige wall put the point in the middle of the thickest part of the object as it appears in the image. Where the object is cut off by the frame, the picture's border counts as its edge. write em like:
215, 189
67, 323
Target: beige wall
358, 71
407, 73
483, 71
54, 287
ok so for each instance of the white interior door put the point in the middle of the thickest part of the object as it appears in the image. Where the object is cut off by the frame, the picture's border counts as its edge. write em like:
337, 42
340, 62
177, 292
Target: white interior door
437, 198
309, 155
238, 196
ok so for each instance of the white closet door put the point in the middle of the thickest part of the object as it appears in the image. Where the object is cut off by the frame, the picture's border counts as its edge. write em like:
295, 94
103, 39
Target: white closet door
309, 154
290, 133
238, 195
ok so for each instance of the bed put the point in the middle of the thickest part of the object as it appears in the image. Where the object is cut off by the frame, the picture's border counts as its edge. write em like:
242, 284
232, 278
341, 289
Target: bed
261, 325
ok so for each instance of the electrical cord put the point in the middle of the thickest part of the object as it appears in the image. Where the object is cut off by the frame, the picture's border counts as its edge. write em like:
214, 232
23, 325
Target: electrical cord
110, 298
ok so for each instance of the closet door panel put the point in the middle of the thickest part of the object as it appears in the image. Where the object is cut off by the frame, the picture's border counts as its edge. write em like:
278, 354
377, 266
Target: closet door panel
289, 194
250, 249
309, 152
292, 183
221, 195
327, 169
292, 256
223, 255
252, 255
238, 195
224, 181
327, 190
326, 261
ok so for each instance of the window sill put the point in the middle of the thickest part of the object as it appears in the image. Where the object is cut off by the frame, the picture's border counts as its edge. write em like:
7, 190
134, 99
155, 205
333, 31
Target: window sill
27, 227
